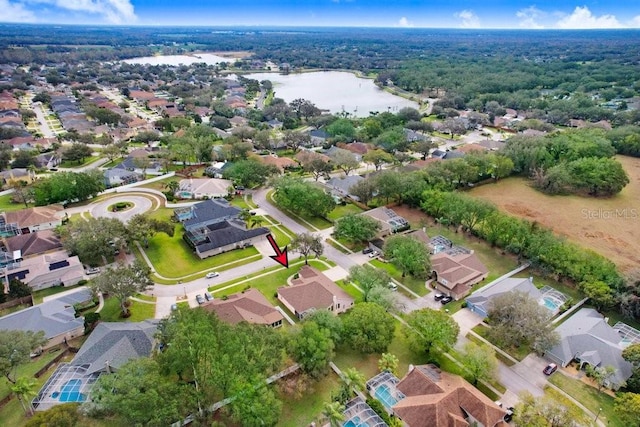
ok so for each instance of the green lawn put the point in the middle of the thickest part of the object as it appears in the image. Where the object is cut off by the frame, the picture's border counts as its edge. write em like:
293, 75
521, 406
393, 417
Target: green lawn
589, 396
518, 353
335, 244
341, 211
312, 223
74, 164
267, 284
173, 258
39, 295
308, 408
240, 202
139, 311
6, 205
160, 184
556, 396
351, 290
499, 356
416, 285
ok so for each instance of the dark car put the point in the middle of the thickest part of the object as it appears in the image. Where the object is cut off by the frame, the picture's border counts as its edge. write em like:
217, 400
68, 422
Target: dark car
509, 415
438, 296
199, 299
446, 300
367, 251
208, 296
550, 369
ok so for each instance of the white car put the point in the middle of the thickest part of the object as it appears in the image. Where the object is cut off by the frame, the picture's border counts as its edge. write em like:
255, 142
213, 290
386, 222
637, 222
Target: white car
374, 254
212, 275
93, 270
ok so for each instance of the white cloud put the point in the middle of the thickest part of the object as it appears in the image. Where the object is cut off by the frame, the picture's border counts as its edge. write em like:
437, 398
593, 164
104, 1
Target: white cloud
404, 22
469, 19
15, 12
582, 18
529, 18
112, 11
635, 22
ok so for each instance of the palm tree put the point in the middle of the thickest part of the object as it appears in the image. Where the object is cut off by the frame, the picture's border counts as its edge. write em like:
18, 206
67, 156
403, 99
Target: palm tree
351, 380
172, 186
388, 362
245, 215
24, 390
256, 221
333, 412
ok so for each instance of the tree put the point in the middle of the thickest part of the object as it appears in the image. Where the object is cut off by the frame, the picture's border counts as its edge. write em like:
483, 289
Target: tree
363, 190
601, 374
546, 412
368, 328
351, 380
430, 330
388, 362
423, 147
67, 187
374, 283
307, 243
377, 158
517, 319
254, 404
76, 152
123, 282
316, 164
312, 347
15, 348
112, 152
600, 293
333, 411
356, 228
390, 185
142, 228
93, 239
24, 389
408, 254
342, 130
294, 139
22, 192
345, 160
65, 415
249, 173
480, 361
302, 197
18, 289
627, 407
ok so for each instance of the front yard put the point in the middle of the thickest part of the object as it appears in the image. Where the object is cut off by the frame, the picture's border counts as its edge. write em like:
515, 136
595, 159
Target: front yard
416, 285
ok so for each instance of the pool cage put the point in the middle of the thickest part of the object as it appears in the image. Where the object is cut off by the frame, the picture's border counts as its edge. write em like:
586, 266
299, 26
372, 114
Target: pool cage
553, 299
69, 383
628, 334
384, 377
358, 414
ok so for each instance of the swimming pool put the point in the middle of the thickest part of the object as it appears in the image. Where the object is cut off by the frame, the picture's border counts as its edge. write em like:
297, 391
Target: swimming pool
355, 422
550, 304
383, 394
70, 392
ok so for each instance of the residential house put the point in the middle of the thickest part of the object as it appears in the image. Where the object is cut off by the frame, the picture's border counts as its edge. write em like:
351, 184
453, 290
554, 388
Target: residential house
36, 243
214, 226
48, 160
311, 291
35, 219
281, 163
470, 148
110, 345
318, 137
587, 338
413, 136
390, 222
480, 301
47, 270
429, 397
116, 177
216, 170
454, 269
247, 306
203, 188
492, 145
56, 317
10, 176
275, 124
142, 165
341, 186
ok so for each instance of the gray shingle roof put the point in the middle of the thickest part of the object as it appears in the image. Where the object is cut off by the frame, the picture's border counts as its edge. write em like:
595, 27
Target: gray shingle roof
483, 297
116, 343
209, 212
226, 233
54, 317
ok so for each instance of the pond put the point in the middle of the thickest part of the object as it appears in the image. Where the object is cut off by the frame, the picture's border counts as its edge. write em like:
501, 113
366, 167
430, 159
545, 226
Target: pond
207, 58
336, 91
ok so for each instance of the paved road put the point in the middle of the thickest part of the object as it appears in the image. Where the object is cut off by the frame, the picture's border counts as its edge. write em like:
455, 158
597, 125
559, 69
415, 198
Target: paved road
141, 204
42, 121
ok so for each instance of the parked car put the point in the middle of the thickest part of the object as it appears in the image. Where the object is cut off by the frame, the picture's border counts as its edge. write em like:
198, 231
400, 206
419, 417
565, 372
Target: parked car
199, 299
367, 251
509, 415
212, 274
374, 254
446, 300
438, 296
392, 286
550, 369
92, 270
208, 296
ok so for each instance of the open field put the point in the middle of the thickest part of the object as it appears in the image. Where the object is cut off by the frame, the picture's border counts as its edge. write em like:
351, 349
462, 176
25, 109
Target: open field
610, 226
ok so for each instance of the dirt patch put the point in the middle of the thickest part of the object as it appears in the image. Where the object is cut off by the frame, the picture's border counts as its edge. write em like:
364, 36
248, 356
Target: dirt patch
610, 226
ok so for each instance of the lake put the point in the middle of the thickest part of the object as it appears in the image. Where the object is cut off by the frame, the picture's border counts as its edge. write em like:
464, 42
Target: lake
335, 91
207, 58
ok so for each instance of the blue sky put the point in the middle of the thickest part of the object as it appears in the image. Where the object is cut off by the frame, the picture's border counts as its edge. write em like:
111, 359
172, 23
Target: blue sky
370, 13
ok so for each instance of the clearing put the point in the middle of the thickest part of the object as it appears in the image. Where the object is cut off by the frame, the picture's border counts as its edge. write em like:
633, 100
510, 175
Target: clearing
609, 226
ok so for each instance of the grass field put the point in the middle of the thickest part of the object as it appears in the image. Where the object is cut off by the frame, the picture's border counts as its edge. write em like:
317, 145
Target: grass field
416, 285
341, 211
6, 205
609, 226
589, 396
139, 311
74, 164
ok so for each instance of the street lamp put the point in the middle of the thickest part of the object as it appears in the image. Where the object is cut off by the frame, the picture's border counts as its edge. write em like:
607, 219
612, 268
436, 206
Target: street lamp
596, 419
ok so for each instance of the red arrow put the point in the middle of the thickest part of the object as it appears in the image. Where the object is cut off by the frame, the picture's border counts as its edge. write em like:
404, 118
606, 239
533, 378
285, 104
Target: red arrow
280, 257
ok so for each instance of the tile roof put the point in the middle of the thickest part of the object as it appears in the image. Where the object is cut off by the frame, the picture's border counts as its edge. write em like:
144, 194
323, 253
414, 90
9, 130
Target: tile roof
249, 306
116, 343
459, 270
34, 216
440, 399
312, 289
